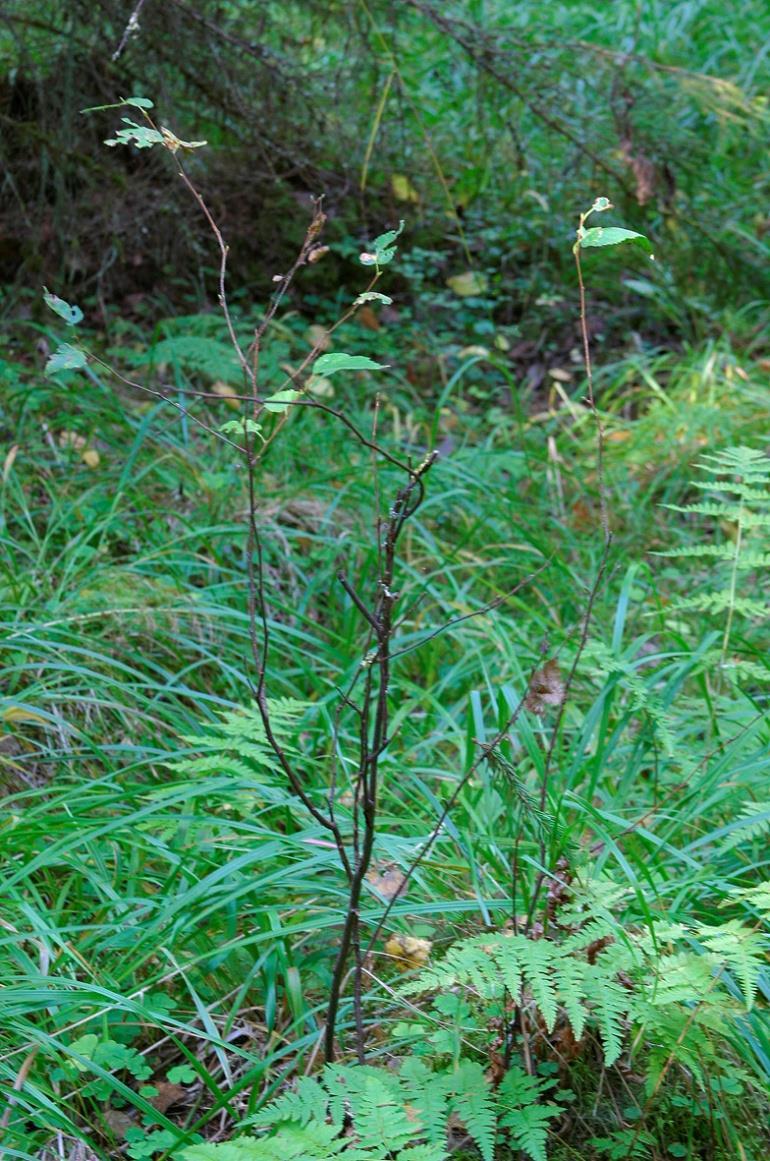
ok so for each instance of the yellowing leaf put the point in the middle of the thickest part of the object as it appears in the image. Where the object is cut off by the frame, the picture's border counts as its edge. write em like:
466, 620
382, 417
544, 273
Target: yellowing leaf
408, 952
474, 351
321, 386
91, 457
20, 713
174, 143
227, 393
9, 460
71, 439
318, 337
471, 282
403, 190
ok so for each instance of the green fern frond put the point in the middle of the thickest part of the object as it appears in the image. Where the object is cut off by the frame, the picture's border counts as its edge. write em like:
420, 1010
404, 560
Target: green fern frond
237, 742
749, 560
429, 1098
753, 822
739, 667
308, 1102
471, 1100
213, 357
684, 1034
602, 662
295, 1143
757, 897
720, 603
314, 1142
524, 1114
741, 461
553, 976
538, 964
736, 487
741, 950
679, 978
381, 1114
404, 1114
711, 551
573, 986
215, 764
610, 1002
708, 508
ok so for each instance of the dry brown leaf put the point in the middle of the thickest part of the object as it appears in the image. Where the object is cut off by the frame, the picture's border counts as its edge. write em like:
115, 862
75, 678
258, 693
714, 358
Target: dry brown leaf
387, 880
119, 1122
367, 318
546, 688
168, 1094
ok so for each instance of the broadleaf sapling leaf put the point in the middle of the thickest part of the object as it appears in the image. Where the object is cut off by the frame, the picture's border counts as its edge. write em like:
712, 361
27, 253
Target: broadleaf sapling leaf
72, 315
241, 427
142, 136
66, 358
612, 236
383, 251
280, 401
338, 361
373, 296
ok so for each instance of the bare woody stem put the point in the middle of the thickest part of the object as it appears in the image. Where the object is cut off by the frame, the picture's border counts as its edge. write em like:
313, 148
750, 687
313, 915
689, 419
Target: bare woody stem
374, 729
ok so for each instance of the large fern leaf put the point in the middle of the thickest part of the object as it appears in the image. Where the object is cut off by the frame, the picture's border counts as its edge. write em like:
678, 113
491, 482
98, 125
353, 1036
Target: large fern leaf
471, 1100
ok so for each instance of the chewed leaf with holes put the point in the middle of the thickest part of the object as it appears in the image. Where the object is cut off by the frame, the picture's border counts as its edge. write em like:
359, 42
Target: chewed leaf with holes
72, 315
383, 251
373, 296
66, 358
142, 136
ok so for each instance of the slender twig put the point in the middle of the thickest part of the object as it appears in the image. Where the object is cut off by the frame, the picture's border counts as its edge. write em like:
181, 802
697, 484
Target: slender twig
132, 26
556, 730
600, 435
485, 750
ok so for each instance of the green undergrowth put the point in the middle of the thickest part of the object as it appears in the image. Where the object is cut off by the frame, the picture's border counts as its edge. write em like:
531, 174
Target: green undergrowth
171, 909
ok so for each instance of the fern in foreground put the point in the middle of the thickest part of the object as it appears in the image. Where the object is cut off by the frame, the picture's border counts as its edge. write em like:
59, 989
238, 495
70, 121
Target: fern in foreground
364, 1114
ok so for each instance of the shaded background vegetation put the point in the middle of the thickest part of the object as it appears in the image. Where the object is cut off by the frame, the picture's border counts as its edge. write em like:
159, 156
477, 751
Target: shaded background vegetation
496, 120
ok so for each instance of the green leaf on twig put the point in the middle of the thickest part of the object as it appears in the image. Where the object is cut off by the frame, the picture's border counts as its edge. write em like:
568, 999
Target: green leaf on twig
612, 236
72, 315
66, 358
331, 364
